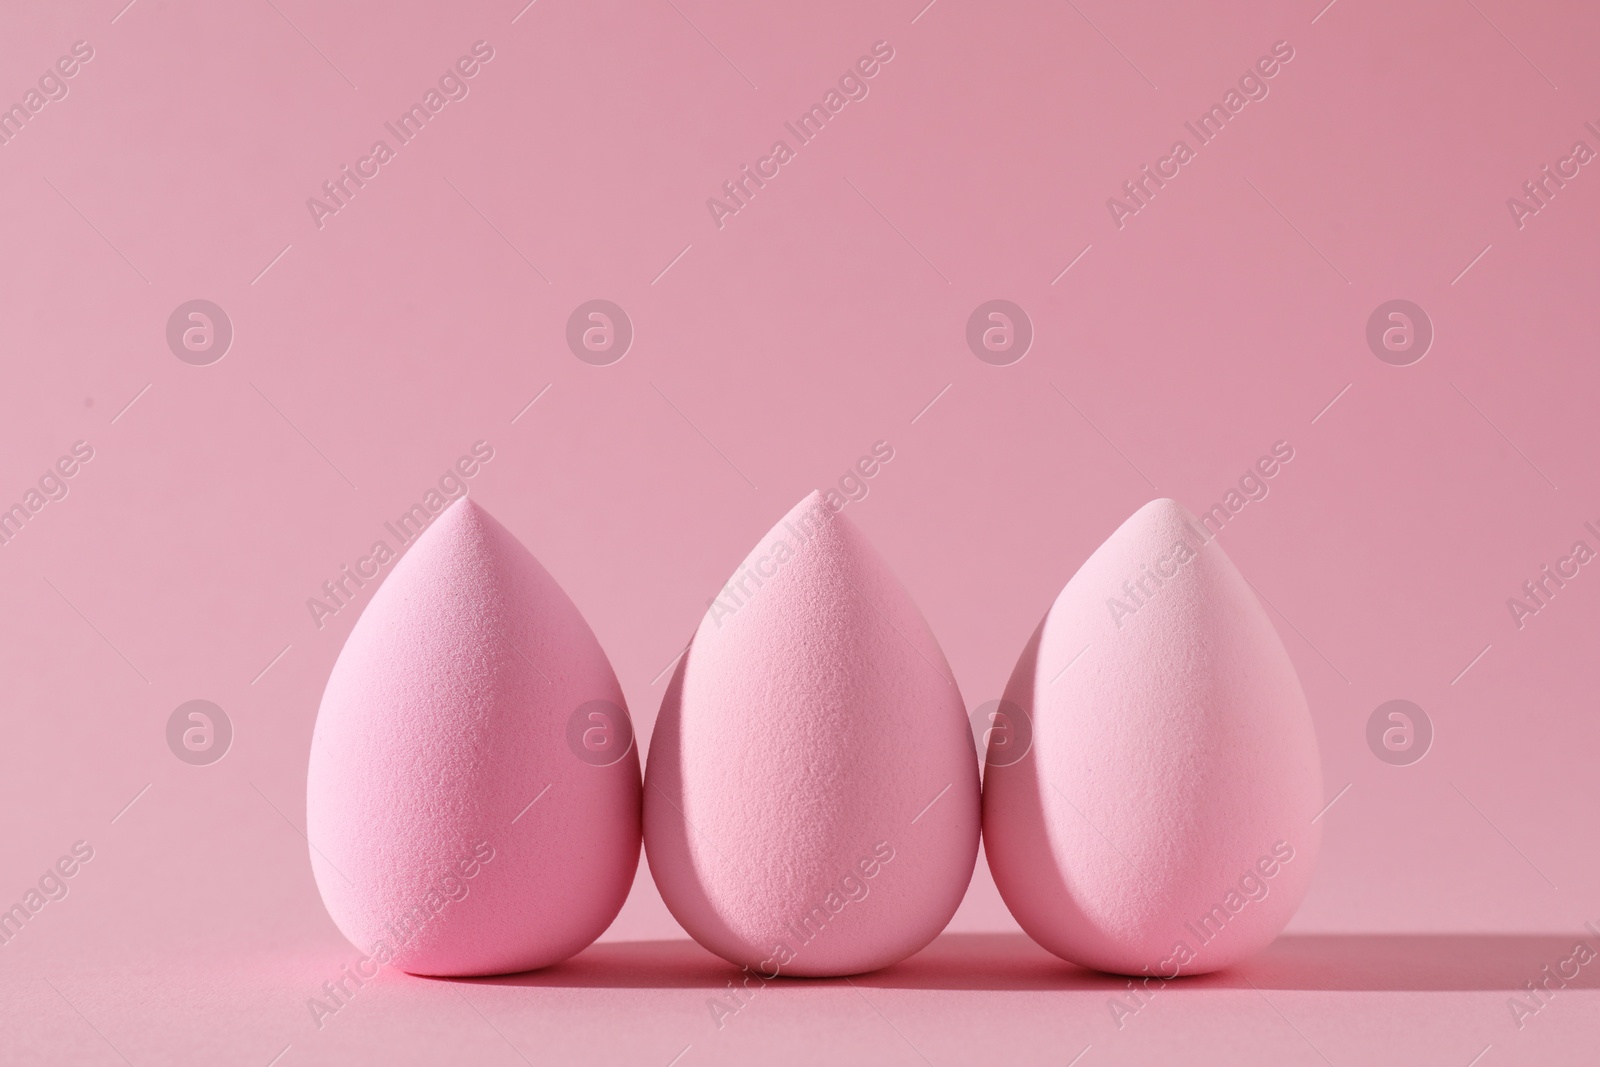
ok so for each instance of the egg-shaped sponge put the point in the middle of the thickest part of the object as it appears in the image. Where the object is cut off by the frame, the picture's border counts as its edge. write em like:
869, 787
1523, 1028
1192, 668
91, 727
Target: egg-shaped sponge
811, 796
472, 803
1160, 821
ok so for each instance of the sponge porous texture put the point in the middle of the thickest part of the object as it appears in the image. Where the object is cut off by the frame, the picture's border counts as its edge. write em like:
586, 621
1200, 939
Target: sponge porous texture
811, 797
1161, 821
446, 714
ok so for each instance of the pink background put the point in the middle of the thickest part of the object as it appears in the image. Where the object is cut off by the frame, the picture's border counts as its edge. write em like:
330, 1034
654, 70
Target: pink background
825, 316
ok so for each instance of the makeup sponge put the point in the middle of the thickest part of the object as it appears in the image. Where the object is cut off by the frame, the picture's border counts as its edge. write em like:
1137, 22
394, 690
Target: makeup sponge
1159, 820
811, 797
472, 803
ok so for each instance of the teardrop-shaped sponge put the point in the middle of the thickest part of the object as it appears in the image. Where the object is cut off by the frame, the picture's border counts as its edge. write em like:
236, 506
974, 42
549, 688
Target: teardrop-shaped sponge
1161, 821
454, 828
811, 797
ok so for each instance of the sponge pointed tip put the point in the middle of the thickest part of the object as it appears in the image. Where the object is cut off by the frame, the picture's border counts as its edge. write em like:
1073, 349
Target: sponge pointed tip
1165, 509
462, 517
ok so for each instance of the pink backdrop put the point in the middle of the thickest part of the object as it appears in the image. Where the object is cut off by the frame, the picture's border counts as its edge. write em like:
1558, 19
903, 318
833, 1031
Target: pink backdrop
773, 346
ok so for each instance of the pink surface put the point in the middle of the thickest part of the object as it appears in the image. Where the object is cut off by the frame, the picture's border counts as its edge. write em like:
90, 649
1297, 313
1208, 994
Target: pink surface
208, 504
811, 799
445, 723
1163, 819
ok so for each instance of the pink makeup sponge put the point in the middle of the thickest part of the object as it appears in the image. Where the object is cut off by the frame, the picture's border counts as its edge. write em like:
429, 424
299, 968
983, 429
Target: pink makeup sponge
449, 713
1160, 821
811, 798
